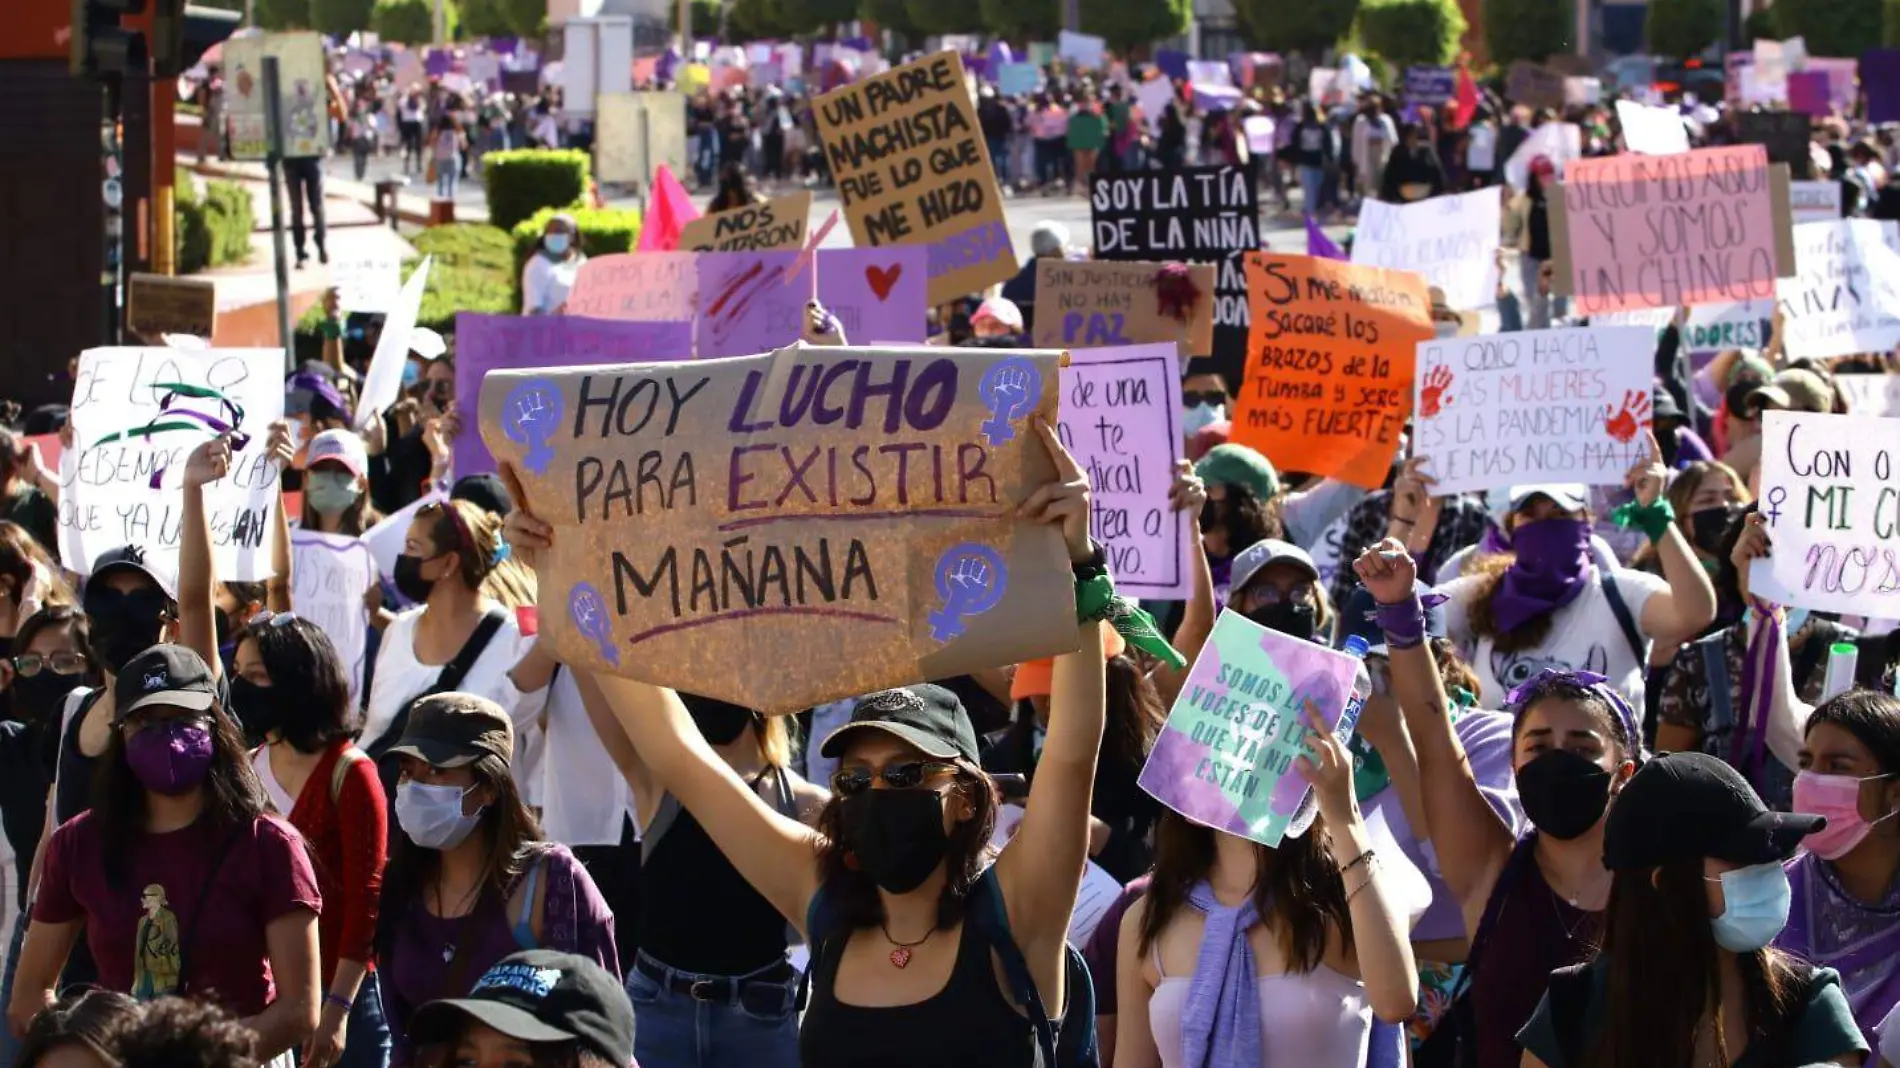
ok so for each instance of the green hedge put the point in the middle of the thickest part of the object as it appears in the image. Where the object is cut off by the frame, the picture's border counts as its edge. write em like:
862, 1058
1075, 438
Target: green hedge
474, 271
213, 229
603, 232
1409, 33
524, 181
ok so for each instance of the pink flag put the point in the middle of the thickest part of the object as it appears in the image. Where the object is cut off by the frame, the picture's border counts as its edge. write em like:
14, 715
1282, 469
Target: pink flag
1318, 244
1467, 98
669, 209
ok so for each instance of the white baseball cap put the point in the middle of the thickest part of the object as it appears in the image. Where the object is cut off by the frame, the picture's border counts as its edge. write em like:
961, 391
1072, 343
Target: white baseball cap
341, 446
1570, 496
426, 343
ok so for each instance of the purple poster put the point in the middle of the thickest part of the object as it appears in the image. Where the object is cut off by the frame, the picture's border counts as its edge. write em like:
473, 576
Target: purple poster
879, 294
485, 343
1880, 78
1172, 63
1807, 93
438, 61
744, 306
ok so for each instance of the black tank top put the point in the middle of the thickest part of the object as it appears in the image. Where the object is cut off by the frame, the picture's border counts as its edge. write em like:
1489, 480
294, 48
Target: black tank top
697, 913
967, 1023
73, 792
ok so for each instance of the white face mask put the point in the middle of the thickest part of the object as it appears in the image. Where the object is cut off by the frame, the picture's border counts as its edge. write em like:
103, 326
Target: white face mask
432, 816
1199, 416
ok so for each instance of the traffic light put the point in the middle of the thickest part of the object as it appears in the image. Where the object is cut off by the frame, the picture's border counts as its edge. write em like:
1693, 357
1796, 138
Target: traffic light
100, 45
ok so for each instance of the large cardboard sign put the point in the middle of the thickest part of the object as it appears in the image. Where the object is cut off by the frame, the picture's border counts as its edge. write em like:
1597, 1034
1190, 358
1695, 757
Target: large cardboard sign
636, 132
1086, 303
913, 169
1451, 240
1833, 512
844, 515
1534, 85
303, 92
777, 223
329, 573
637, 286
157, 305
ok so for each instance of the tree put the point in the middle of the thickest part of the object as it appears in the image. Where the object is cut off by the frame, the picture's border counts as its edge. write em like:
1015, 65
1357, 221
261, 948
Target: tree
1413, 33
480, 18
755, 20
1309, 28
1126, 24
705, 18
891, 15
1759, 26
1892, 38
339, 18
276, 15
1831, 27
1528, 29
816, 16
1682, 28
1026, 20
409, 22
945, 16
525, 18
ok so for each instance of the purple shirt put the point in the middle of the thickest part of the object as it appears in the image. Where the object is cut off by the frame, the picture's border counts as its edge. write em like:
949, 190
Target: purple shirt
1828, 926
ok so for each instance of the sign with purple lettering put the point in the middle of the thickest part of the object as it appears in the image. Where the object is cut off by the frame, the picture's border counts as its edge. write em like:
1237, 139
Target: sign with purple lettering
485, 343
880, 295
913, 169
1226, 756
1835, 521
844, 514
1121, 418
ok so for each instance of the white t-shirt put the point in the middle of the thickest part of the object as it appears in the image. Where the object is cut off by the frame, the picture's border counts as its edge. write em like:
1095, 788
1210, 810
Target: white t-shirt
280, 798
584, 799
1584, 636
545, 283
1481, 152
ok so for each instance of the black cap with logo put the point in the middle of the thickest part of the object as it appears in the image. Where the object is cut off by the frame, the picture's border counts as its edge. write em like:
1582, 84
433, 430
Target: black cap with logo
169, 675
539, 995
928, 717
1695, 805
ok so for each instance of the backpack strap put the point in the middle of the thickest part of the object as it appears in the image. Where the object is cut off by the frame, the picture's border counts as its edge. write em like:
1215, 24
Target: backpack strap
1714, 650
345, 760
1639, 647
987, 911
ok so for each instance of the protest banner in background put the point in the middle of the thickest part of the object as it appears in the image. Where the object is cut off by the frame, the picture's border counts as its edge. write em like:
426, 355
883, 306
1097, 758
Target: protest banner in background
1017, 79
1534, 85
1652, 131
1451, 240
156, 305
1814, 201
1700, 227
1785, 134
1121, 418
1808, 93
485, 343
367, 285
745, 304
1225, 758
302, 89
635, 133
1582, 92
1082, 303
1833, 512
1534, 406
636, 286
1259, 130
1430, 87
1870, 394
912, 169
382, 384
1880, 81
1196, 214
1154, 95
1329, 370
845, 514
1744, 324
1559, 142
329, 573
1846, 298
777, 223
1084, 50
118, 487
877, 294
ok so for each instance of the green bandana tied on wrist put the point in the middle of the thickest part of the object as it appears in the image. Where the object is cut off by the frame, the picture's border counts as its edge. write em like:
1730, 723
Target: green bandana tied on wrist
1653, 519
1097, 601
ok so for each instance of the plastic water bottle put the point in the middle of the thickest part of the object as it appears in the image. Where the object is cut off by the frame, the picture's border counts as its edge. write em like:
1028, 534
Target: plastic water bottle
1842, 660
1356, 647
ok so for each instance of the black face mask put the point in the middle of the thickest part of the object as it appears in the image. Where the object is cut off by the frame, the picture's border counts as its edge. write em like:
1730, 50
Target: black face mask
719, 722
36, 698
1295, 619
896, 835
1708, 527
258, 708
125, 624
409, 580
1564, 795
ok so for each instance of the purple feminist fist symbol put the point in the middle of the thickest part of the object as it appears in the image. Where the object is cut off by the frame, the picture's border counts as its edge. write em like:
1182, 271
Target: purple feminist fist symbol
1009, 389
971, 578
529, 415
589, 613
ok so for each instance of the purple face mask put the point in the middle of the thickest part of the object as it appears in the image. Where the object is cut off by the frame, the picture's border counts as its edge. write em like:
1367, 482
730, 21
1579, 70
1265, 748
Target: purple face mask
170, 757
1552, 568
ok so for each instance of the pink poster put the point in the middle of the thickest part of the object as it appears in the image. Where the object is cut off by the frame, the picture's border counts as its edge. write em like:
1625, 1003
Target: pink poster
1808, 93
745, 306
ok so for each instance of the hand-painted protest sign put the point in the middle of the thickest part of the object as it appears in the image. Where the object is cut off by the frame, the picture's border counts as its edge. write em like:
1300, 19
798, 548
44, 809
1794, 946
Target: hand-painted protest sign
637, 286
1846, 298
1582, 92
1559, 142
1533, 406
1226, 756
1196, 214
1534, 85
1744, 324
1087, 303
877, 294
157, 305
1121, 418
1784, 134
329, 573
1814, 201
777, 223
745, 304
1084, 50
1870, 394
1017, 79
367, 284
912, 169
1828, 499
1451, 240
1259, 130
1668, 231
1652, 131
1430, 87
1154, 96
302, 89
119, 485
1808, 93
383, 383
485, 343
844, 514
1329, 371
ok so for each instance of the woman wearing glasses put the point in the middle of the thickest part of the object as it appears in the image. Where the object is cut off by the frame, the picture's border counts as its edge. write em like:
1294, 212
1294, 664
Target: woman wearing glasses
889, 878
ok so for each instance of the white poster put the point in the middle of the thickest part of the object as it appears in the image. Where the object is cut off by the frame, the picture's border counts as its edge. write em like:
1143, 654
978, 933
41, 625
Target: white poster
1846, 297
1833, 513
1082, 50
367, 284
119, 486
1533, 406
1877, 395
1814, 201
1561, 141
1652, 131
382, 385
329, 573
1451, 240
1259, 130
1154, 96
302, 90
1741, 324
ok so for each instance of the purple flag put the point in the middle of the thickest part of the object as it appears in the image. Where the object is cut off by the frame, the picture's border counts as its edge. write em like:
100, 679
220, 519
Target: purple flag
1318, 244
1880, 78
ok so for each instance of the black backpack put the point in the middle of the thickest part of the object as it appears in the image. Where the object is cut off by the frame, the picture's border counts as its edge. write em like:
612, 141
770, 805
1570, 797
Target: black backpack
1058, 1046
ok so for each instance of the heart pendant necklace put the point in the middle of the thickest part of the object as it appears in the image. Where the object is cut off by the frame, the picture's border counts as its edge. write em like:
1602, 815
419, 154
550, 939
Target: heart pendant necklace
900, 951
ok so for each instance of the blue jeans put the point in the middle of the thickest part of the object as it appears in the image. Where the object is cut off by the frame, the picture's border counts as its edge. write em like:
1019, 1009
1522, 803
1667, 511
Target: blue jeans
446, 172
9, 1046
366, 1044
999, 158
755, 1028
1312, 181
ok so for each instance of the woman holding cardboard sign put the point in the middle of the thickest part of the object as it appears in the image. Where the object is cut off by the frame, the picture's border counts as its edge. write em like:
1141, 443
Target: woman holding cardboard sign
923, 954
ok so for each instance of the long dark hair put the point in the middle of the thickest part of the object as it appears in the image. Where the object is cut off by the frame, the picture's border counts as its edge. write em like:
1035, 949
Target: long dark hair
88, 1016
854, 892
306, 676
1872, 717
1248, 519
233, 797
1665, 973
1297, 887
1134, 714
61, 617
513, 842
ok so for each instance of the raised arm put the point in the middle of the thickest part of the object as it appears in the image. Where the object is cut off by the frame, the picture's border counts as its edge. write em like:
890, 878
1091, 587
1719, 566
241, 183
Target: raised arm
1689, 604
1188, 494
646, 792
277, 589
197, 623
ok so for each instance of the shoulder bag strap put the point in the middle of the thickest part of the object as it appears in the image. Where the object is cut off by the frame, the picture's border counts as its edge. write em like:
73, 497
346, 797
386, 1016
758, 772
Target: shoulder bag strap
1714, 650
450, 678
1624, 619
986, 910
204, 898
345, 760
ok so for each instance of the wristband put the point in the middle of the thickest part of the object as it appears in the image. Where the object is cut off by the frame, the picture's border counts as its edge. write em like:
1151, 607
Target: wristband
339, 1001
1097, 601
330, 329
1403, 622
1653, 519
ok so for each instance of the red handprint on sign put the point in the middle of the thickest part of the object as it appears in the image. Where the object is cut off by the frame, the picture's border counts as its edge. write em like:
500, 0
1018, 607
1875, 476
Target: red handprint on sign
1432, 397
1633, 419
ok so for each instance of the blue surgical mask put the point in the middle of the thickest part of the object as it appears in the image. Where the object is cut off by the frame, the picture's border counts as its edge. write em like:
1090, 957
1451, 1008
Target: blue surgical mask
1195, 418
411, 372
1756, 903
556, 243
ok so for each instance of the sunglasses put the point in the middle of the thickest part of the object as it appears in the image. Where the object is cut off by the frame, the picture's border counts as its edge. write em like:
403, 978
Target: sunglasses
28, 665
906, 776
1212, 398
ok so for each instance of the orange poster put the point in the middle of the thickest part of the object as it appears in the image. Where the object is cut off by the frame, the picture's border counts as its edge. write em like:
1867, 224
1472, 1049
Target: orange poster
1330, 351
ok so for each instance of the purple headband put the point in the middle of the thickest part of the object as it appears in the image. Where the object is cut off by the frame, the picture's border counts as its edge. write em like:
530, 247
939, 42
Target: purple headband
1549, 679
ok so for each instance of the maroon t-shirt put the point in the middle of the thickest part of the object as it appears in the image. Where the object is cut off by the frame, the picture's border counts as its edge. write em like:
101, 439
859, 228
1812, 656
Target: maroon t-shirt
136, 930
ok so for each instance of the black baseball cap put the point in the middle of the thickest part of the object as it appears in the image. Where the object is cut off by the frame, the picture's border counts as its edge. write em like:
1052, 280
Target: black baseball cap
1694, 805
928, 717
163, 675
132, 558
539, 995
448, 730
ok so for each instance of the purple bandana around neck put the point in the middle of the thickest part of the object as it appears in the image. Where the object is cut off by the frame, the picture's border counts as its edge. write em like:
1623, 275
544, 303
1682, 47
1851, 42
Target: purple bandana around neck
1552, 568
1220, 1024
